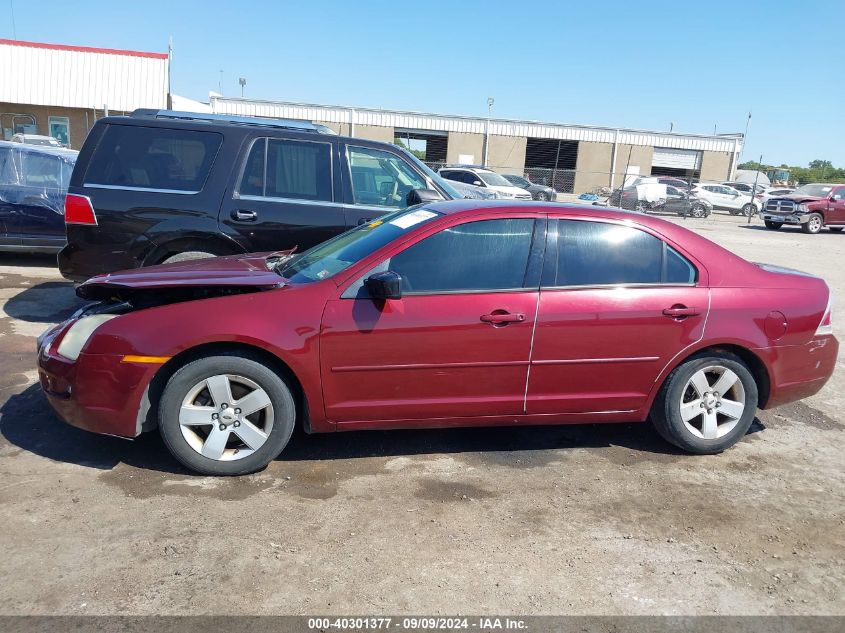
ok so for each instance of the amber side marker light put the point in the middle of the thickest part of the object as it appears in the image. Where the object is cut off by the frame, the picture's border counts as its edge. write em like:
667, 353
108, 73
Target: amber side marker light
147, 360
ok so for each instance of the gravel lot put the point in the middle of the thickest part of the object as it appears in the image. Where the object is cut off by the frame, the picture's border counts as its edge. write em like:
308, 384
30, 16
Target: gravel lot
579, 519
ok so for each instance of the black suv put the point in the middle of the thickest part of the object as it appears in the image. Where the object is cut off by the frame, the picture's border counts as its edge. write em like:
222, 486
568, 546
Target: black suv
163, 186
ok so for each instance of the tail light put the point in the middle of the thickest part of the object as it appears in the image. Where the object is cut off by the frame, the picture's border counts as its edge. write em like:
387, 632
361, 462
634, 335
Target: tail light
79, 210
826, 326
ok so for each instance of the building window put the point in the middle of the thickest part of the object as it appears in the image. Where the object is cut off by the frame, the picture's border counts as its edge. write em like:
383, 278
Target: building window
60, 129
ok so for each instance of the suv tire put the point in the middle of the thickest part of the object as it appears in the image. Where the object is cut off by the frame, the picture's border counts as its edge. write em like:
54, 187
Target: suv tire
187, 256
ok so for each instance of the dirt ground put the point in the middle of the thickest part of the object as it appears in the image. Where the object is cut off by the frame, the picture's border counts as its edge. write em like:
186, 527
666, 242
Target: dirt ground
582, 519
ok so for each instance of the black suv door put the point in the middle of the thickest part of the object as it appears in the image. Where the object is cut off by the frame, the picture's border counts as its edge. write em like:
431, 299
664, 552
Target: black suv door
378, 180
286, 193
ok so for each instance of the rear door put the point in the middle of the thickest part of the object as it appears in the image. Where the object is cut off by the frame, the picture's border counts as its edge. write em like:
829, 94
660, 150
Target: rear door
286, 194
8, 187
38, 215
616, 305
378, 182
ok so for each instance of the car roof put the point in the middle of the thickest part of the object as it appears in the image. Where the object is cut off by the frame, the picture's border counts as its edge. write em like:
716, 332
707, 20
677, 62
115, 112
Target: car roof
40, 149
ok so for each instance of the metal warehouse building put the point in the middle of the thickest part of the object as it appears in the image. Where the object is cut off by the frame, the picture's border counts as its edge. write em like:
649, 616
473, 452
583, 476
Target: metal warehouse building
60, 91
572, 158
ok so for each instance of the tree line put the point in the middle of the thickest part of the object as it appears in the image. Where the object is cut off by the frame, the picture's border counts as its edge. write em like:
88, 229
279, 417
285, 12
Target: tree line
816, 171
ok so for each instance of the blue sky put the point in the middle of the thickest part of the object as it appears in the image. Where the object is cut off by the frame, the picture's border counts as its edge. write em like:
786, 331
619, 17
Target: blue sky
615, 63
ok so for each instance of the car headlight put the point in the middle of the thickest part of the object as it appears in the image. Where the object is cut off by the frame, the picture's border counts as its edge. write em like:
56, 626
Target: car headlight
79, 333
802, 208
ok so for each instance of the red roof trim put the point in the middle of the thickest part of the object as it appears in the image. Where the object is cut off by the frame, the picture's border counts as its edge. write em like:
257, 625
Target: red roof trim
83, 49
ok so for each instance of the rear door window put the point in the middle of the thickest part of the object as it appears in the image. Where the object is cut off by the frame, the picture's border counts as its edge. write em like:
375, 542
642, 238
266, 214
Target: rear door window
600, 254
289, 169
159, 159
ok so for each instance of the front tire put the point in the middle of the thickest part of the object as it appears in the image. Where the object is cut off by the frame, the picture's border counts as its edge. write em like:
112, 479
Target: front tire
226, 414
813, 224
748, 210
774, 226
698, 211
706, 404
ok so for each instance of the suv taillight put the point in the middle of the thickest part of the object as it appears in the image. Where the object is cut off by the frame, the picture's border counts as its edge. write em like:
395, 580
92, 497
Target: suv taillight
826, 326
79, 210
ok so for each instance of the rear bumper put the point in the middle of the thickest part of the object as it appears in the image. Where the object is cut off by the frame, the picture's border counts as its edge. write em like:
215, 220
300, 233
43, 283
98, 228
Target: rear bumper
97, 393
799, 371
87, 255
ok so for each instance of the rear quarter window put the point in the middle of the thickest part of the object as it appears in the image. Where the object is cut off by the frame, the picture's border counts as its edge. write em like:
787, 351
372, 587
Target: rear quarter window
153, 158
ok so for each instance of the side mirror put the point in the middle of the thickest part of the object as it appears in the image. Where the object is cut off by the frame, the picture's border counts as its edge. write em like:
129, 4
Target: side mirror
384, 285
419, 196
477, 183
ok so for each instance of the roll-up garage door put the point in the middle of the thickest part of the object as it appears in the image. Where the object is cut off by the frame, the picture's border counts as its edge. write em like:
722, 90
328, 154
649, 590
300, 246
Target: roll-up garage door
676, 158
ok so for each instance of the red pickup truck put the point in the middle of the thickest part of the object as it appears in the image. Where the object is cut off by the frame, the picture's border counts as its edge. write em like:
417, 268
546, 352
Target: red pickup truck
811, 206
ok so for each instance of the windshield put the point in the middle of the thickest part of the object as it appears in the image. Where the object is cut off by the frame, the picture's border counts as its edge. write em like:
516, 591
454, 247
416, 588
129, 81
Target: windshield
340, 252
518, 181
819, 191
441, 182
493, 179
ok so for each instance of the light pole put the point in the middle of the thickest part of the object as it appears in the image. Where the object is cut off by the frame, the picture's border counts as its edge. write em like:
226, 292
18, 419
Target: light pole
490, 102
242, 81
745, 136
220, 82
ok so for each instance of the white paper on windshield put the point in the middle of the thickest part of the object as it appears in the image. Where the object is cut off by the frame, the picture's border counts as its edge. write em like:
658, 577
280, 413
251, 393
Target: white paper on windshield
410, 219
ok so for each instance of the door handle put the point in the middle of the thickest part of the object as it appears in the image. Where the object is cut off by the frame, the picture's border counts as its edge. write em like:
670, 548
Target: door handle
244, 216
680, 311
500, 317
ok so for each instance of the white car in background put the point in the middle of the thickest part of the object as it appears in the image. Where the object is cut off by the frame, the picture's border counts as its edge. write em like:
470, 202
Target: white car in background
727, 198
774, 192
485, 178
36, 139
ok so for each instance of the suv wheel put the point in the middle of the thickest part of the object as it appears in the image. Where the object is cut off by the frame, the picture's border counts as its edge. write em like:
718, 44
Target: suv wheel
706, 404
772, 225
188, 255
749, 209
813, 224
226, 415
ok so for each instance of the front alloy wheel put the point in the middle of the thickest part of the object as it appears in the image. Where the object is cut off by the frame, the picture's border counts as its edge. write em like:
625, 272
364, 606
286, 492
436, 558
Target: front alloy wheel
813, 224
228, 414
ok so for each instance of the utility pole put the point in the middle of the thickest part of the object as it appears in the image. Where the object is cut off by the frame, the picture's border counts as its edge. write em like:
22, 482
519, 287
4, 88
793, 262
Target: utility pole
490, 102
242, 82
745, 136
756, 178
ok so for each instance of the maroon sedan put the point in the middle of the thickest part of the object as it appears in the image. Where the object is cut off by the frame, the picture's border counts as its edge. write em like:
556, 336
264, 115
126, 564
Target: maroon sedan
464, 313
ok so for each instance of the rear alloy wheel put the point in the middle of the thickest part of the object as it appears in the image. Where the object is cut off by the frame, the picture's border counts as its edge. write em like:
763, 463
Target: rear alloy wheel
226, 415
698, 211
813, 224
749, 210
187, 256
707, 404
772, 225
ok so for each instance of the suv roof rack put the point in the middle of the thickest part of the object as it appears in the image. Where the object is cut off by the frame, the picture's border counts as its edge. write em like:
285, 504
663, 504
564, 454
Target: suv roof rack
290, 124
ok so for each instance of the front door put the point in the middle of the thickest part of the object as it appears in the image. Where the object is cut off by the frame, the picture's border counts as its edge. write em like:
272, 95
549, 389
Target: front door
286, 195
379, 183
836, 207
456, 344
617, 304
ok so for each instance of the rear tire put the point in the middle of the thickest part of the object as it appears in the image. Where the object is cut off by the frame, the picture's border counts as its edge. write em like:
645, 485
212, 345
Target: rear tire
187, 256
774, 226
231, 441
813, 225
748, 210
706, 404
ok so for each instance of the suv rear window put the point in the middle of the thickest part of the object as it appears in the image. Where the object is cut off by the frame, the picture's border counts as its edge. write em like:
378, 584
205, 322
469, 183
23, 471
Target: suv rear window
153, 158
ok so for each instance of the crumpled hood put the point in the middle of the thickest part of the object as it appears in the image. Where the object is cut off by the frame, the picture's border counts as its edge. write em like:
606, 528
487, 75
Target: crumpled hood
797, 198
234, 271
